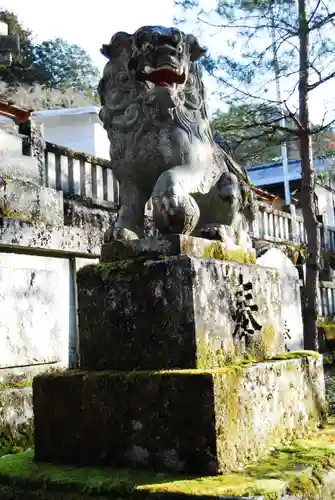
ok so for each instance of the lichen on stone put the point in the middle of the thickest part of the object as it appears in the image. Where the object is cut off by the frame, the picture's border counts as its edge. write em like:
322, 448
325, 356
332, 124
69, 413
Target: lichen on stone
216, 250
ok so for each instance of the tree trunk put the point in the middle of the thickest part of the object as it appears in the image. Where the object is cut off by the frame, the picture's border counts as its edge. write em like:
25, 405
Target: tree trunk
309, 302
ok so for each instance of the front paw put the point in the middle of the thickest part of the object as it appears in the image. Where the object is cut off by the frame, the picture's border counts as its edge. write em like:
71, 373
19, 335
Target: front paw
219, 232
119, 233
212, 233
175, 214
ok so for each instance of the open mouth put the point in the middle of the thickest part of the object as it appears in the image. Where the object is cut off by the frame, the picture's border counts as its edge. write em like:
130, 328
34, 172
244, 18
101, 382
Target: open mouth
161, 77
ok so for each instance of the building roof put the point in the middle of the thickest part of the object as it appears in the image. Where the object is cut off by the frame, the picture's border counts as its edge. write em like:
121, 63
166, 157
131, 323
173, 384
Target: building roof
272, 173
10, 111
86, 110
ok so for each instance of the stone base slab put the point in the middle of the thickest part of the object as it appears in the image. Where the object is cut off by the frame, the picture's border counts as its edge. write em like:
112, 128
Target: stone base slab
26, 201
176, 312
19, 167
202, 422
30, 488
10, 141
174, 245
42, 236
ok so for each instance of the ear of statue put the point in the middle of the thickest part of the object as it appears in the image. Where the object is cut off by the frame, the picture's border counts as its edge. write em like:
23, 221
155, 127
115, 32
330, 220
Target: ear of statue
119, 42
196, 51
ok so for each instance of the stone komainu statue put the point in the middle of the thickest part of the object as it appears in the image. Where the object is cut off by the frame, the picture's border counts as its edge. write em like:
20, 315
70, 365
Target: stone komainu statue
161, 147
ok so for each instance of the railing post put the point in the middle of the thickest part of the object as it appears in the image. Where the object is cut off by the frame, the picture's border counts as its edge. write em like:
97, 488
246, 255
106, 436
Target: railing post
34, 145
295, 236
255, 225
323, 233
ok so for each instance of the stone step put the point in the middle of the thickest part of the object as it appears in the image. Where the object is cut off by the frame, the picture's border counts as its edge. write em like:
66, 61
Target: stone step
19, 167
303, 470
44, 236
10, 142
26, 201
187, 421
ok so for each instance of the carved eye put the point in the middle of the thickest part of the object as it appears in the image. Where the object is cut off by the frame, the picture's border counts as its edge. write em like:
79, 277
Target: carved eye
176, 36
146, 46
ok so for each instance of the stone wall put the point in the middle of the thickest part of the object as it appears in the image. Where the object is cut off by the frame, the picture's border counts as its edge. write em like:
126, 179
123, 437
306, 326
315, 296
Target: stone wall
39, 257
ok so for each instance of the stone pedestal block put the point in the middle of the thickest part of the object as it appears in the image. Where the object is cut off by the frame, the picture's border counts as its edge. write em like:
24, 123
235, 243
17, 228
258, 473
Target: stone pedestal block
193, 421
176, 312
173, 245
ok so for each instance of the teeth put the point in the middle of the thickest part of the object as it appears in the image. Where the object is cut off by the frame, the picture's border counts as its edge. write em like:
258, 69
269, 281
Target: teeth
148, 69
150, 84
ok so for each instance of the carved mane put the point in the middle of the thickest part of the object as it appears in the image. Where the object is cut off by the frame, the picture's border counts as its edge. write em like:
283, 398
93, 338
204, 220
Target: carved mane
126, 106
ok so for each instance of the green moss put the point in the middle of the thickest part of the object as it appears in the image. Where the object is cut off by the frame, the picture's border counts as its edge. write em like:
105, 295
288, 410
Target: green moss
216, 251
291, 367
238, 362
296, 354
210, 356
268, 339
329, 258
297, 468
18, 439
328, 328
226, 394
16, 384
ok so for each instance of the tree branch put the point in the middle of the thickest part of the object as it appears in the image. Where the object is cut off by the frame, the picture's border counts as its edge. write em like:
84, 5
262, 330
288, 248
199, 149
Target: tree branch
323, 22
321, 81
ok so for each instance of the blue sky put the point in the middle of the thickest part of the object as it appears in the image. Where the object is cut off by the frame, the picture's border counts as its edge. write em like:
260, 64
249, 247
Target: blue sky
90, 24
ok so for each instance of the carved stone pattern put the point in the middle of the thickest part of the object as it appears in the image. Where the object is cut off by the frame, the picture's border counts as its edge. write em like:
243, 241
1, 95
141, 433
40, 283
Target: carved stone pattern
246, 324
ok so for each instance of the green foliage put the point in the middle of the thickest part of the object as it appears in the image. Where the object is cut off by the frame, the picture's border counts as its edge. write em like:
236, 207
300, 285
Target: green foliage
41, 68
64, 65
252, 133
259, 43
21, 69
255, 139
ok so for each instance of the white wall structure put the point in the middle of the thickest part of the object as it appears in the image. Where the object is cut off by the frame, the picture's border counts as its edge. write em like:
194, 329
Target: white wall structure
326, 204
79, 129
35, 302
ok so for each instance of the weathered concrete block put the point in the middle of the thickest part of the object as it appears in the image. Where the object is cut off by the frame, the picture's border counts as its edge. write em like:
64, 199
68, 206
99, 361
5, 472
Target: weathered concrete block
290, 295
19, 167
10, 140
26, 201
44, 236
34, 302
186, 421
176, 312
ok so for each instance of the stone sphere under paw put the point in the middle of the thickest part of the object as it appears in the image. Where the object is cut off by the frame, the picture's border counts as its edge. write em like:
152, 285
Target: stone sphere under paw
175, 214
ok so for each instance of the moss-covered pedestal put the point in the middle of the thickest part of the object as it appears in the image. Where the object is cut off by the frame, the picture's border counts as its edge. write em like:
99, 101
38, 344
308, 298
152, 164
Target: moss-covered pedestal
178, 310
163, 383
195, 421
